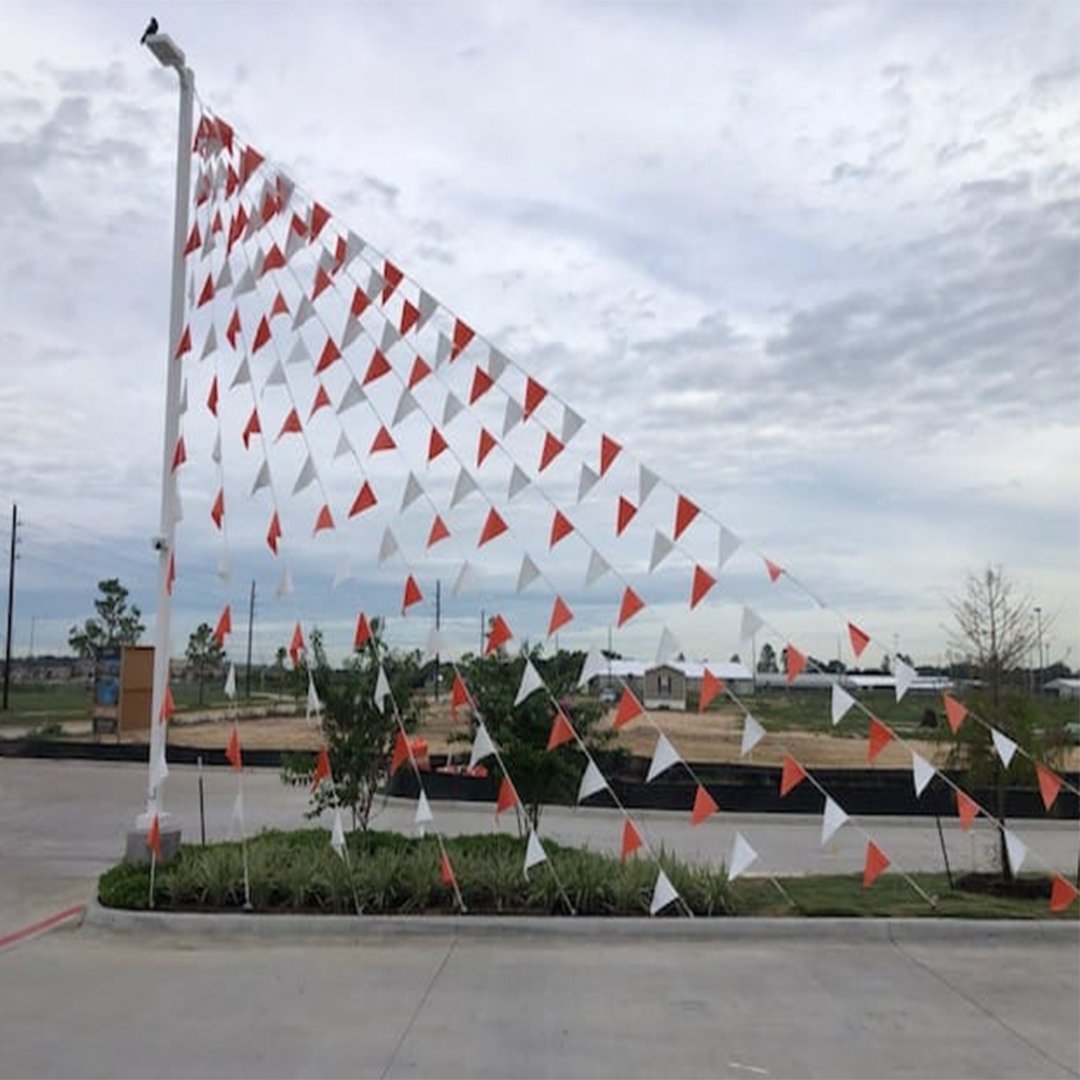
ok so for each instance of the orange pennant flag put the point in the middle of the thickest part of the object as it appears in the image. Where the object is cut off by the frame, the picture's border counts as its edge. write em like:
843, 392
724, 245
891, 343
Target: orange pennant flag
704, 806
217, 511
880, 737
323, 282
609, 451
1049, 785
1062, 894
421, 369
436, 444
439, 531
363, 632
774, 570
153, 837
482, 382
703, 582
168, 706
365, 499
232, 751
224, 625
383, 441
360, 302
561, 527
410, 316
955, 711
486, 445
446, 871
401, 753
876, 863
534, 394
710, 687
319, 217
329, 355
792, 775
279, 307
967, 809
296, 645
273, 533
411, 594
322, 399
626, 513
494, 526
560, 616
377, 368
185, 343
859, 640
561, 731
629, 709
179, 454
463, 334
631, 605
685, 512
252, 427
325, 520
322, 769
498, 636
212, 397
170, 574
796, 663
291, 424
262, 335
459, 694
631, 840
507, 796
551, 450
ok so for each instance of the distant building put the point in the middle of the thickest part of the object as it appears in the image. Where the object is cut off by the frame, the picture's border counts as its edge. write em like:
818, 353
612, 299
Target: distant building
668, 685
1064, 687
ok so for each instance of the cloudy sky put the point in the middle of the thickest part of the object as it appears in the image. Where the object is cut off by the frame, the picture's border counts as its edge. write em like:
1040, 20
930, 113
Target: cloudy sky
816, 265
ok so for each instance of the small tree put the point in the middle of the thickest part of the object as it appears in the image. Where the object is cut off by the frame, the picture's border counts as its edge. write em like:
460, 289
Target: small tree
114, 626
205, 655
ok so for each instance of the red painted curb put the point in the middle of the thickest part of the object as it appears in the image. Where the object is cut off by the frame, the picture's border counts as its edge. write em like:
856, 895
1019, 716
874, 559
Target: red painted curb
16, 936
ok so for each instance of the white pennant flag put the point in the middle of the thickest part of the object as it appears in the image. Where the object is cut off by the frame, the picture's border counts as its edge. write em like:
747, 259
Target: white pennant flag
285, 583
452, 407
743, 856
512, 416
904, 675
497, 364
406, 404
664, 756
177, 502
313, 705
668, 646
752, 734
306, 477
343, 446
1004, 746
842, 701
436, 645
752, 622
528, 573
1016, 850
595, 664
230, 683
353, 329
246, 283
210, 345
530, 681
337, 834
375, 284
242, 376
389, 545
442, 350
262, 477
534, 852
382, 690
424, 816
224, 569
413, 491
663, 894
427, 305
482, 746
466, 579
304, 311
236, 818
159, 770
647, 481
215, 452
591, 782
182, 407
293, 243
275, 378
298, 354
353, 247
464, 486
661, 548
225, 278
587, 482
834, 817
354, 394
390, 337
571, 424
519, 481
598, 567
922, 772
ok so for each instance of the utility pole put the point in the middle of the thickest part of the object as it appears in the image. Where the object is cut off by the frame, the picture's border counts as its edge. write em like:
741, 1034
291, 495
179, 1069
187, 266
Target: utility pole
438, 627
251, 627
10, 601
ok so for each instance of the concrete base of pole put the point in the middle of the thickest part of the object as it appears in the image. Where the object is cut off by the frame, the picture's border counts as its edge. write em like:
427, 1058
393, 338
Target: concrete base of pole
137, 852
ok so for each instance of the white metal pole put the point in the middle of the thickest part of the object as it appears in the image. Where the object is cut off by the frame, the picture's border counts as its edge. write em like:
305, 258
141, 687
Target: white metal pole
170, 56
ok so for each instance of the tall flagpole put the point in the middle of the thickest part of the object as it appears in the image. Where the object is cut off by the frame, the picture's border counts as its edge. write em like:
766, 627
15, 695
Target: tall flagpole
169, 55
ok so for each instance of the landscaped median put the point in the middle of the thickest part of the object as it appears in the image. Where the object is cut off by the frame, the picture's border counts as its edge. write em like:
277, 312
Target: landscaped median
391, 874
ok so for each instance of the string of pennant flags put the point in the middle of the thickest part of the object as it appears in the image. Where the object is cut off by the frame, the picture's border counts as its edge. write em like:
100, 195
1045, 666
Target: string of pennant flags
390, 312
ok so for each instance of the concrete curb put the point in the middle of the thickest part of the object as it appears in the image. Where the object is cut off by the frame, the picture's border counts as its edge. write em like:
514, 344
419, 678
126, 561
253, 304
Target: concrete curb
285, 928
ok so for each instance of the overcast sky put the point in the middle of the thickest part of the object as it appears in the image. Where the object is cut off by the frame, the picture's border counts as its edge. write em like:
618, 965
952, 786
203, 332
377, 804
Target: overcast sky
817, 265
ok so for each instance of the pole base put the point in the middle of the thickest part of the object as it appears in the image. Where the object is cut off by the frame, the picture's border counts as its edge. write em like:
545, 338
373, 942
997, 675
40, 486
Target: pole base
137, 851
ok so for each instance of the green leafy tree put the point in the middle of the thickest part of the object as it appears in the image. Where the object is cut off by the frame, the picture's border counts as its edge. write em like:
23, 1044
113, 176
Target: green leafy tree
205, 655
359, 737
522, 732
116, 624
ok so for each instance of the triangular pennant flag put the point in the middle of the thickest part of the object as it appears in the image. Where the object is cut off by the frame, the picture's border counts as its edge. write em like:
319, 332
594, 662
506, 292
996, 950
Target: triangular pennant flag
834, 817
534, 852
876, 863
519, 481
880, 736
752, 734
296, 645
438, 532
842, 701
217, 511
406, 406
182, 407
631, 840
210, 345
285, 585
609, 451
179, 454
592, 781
905, 675
571, 424
647, 481
595, 664
631, 604
751, 623
498, 635
597, 568
528, 573
230, 683
298, 354
306, 477
704, 806
512, 416
337, 834
410, 316
464, 486
224, 625
1004, 746
382, 690
625, 514
413, 491
463, 334
774, 571
291, 425
436, 444
365, 499
685, 512
560, 616
466, 579
859, 640
530, 681
423, 816
796, 663
699, 588
1049, 785
507, 796
482, 382
451, 408
435, 645
446, 871
273, 533
388, 546
497, 364
459, 695
353, 396
276, 377
313, 705
383, 441
421, 369
922, 773
629, 709
742, 857
363, 632
534, 395
353, 329
389, 337
729, 544
561, 528
322, 769
661, 548
667, 647
482, 745
791, 776
494, 526
551, 450
664, 756
215, 450
329, 355
710, 687
1016, 849
663, 894
586, 483
1062, 894
401, 752
561, 731
232, 751
967, 810
955, 711
485, 446
153, 837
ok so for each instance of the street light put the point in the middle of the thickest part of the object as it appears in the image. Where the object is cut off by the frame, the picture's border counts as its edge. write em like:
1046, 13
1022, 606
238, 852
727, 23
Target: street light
169, 55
